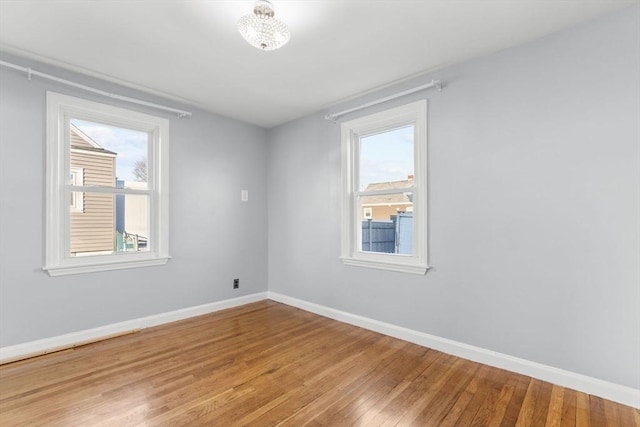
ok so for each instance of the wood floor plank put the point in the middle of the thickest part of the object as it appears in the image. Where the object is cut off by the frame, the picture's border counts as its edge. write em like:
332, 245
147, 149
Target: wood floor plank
635, 416
525, 418
457, 410
387, 374
392, 412
448, 394
484, 396
514, 406
543, 401
426, 394
268, 364
569, 406
583, 411
596, 413
554, 413
496, 413
377, 400
492, 409
364, 365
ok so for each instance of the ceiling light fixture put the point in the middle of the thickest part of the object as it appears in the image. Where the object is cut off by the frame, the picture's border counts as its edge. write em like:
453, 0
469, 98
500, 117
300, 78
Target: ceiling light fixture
261, 29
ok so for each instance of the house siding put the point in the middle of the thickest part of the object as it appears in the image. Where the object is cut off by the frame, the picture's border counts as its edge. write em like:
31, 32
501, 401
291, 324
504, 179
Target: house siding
385, 212
93, 229
77, 141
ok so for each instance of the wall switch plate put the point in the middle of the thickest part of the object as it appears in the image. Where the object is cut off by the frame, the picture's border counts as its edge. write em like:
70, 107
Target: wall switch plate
244, 195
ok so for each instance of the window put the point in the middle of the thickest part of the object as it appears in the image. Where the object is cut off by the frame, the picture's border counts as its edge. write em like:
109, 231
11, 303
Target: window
384, 163
112, 165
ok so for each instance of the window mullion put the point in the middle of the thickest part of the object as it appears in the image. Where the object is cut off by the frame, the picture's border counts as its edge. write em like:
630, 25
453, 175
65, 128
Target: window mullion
402, 190
110, 190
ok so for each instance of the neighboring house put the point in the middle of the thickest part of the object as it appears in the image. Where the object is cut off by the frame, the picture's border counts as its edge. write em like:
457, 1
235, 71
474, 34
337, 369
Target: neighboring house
136, 212
92, 214
132, 212
382, 208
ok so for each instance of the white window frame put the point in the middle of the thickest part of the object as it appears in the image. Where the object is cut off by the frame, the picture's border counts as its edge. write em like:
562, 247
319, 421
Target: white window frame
58, 259
415, 114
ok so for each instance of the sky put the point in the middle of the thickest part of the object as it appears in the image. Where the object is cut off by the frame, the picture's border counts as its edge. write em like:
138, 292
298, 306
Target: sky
130, 145
386, 156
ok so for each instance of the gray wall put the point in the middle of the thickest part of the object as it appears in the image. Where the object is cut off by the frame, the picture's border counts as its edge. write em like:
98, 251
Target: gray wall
214, 236
534, 206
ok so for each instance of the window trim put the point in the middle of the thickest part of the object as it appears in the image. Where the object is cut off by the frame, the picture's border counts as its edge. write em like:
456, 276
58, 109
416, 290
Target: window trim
60, 110
415, 114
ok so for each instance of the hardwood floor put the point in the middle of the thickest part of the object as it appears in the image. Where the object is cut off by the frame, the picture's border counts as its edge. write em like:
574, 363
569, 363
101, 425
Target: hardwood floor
267, 364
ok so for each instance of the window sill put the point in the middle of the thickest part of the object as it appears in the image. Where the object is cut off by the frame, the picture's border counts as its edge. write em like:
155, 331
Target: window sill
413, 268
95, 266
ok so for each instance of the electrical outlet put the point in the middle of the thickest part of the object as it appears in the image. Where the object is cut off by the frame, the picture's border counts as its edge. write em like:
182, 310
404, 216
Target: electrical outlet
236, 283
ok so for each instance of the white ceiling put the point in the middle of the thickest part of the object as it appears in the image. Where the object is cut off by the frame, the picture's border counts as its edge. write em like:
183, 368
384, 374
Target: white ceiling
190, 50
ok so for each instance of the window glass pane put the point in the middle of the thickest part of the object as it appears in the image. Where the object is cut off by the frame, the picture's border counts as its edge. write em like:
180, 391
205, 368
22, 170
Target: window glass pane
110, 156
386, 160
387, 223
132, 222
92, 229
109, 223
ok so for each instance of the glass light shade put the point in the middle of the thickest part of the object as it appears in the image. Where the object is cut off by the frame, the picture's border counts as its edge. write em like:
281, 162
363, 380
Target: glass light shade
262, 30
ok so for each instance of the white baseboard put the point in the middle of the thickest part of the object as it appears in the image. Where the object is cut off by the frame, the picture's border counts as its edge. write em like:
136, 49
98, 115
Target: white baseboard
49, 345
606, 390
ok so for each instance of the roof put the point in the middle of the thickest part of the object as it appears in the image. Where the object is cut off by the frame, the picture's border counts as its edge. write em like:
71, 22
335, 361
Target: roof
391, 185
82, 141
388, 199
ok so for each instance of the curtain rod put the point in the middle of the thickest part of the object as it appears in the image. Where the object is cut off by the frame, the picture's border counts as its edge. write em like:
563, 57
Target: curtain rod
434, 83
30, 73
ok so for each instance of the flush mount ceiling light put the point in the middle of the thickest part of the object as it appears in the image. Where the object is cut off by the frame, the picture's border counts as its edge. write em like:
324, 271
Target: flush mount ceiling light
261, 29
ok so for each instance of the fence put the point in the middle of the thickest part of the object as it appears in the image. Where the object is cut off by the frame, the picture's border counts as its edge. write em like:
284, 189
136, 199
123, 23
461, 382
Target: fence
378, 236
392, 237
